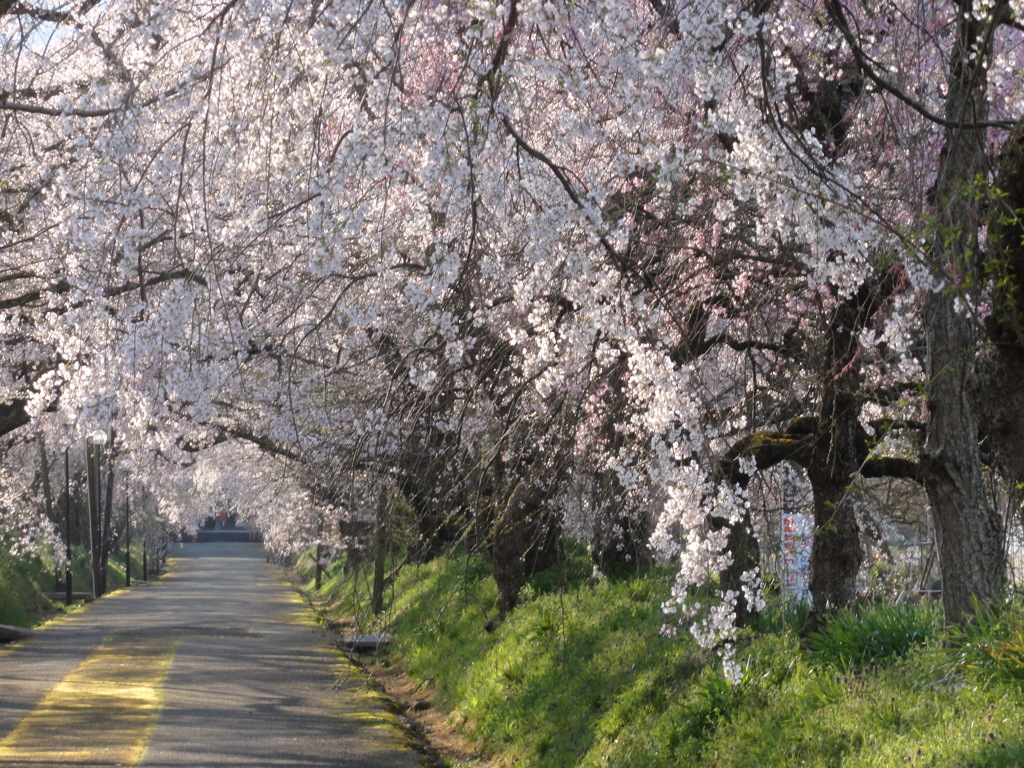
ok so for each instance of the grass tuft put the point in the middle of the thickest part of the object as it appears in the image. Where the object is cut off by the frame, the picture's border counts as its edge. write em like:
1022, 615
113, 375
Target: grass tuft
877, 634
990, 648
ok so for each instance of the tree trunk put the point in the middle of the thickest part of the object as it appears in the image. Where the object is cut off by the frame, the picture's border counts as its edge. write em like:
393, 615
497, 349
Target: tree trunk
380, 541
619, 539
746, 557
968, 530
767, 449
437, 527
525, 539
44, 469
620, 536
836, 552
999, 370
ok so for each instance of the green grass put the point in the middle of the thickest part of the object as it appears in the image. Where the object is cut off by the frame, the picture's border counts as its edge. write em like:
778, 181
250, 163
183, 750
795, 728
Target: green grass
25, 579
991, 648
578, 676
878, 634
21, 601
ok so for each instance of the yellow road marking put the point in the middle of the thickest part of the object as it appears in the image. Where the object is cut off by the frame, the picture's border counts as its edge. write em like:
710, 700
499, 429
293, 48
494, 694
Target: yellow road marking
101, 713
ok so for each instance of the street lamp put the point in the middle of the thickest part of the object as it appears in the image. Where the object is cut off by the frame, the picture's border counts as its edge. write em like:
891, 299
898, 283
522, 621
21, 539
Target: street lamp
67, 527
127, 542
93, 441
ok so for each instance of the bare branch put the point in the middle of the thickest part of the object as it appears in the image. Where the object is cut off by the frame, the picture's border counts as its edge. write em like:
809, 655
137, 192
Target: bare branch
838, 16
38, 109
64, 286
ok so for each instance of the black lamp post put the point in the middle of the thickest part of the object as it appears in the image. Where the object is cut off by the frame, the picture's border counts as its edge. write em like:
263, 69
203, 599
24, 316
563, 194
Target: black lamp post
127, 543
93, 442
319, 549
67, 527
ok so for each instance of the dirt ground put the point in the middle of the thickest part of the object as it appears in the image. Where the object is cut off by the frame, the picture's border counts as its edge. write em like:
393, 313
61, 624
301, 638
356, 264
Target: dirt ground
436, 727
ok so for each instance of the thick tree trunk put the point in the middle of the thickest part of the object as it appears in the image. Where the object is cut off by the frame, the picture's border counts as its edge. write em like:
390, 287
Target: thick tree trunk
746, 557
437, 526
767, 449
968, 530
836, 552
999, 370
620, 536
525, 538
1005, 263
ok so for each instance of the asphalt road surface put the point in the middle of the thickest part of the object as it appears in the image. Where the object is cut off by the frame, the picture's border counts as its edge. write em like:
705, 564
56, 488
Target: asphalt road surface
218, 663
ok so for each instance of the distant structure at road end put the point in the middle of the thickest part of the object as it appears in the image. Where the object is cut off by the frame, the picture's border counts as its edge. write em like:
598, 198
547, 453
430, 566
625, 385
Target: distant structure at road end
238, 533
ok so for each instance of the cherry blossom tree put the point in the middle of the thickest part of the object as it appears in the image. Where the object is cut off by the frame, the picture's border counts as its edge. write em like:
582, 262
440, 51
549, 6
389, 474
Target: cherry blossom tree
490, 253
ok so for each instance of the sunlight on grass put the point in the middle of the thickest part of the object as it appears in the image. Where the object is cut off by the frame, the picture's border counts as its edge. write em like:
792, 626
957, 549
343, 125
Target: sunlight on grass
579, 676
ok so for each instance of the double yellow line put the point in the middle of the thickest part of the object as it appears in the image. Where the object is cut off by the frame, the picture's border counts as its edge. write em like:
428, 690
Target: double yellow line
101, 713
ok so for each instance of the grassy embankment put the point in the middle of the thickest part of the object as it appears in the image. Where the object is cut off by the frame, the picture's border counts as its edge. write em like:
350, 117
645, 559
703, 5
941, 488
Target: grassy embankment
25, 579
578, 676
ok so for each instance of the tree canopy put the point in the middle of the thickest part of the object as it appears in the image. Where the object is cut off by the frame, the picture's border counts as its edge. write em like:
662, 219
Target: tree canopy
542, 267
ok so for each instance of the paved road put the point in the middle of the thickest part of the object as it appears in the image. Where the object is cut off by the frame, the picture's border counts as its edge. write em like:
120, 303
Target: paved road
217, 664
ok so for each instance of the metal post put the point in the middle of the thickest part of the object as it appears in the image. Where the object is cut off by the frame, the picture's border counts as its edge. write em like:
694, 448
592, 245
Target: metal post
127, 542
92, 470
67, 527
90, 481
319, 550
99, 578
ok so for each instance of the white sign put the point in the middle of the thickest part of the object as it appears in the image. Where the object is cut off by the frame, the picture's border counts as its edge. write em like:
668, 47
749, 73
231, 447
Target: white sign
797, 529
